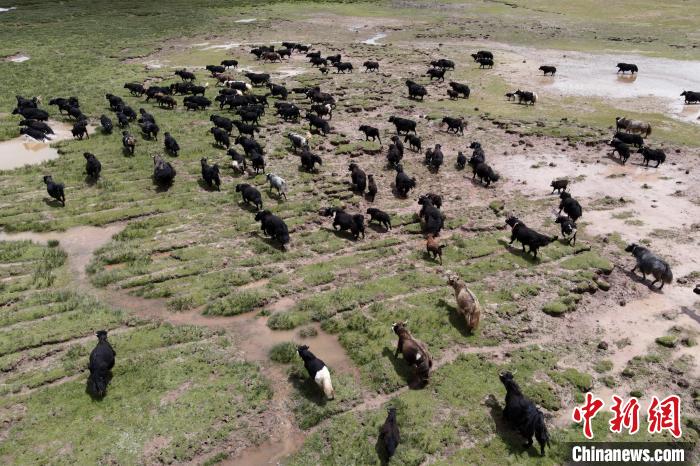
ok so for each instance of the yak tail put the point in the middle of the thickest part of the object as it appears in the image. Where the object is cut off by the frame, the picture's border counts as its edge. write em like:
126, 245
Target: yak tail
97, 385
534, 98
648, 130
541, 433
667, 275
323, 380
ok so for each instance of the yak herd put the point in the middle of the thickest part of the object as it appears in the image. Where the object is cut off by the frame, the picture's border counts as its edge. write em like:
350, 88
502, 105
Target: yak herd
249, 107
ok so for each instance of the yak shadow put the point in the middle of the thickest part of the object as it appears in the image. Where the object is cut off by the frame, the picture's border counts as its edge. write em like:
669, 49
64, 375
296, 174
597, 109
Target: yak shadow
380, 449
90, 181
615, 158
456, 319
514, 442
94, 396
377, 227
403, 370
691, 313
639, 278
127, 152
249, 207
518, 251
344, 234
272, 242
308, 388
203, 184
427, 257
51, 202
626, 78
162, 188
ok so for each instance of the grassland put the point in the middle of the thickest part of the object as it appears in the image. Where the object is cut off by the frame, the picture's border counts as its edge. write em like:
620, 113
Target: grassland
189, 392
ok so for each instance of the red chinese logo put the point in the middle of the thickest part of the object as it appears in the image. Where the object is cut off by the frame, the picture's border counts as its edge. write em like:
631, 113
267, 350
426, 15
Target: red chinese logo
587, 412
665, 415
626, 415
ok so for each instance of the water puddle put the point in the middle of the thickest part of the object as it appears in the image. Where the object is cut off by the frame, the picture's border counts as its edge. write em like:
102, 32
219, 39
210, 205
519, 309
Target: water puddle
17, 58
24, 150
290, 72
3, 10
374, 39
588, 74
246, 20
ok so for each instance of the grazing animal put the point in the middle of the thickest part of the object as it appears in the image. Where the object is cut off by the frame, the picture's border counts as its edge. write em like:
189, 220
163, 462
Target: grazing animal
460, 89
277, 90
570, 206
389, 433
249, 145
461, 160
414, 142
380, 217
29, 113
222, 122
186, 75
455, 125
443, 63
317, 370
55, 190
150, 130
403, 182
258, 79
308, 160
467, 303
196, 102
250, 195
278, 183
93, 167
436, 73
527, 236
323, 110
452, 94
403, 125
34, 133
430, 216
568, 229
526, 96
650, 263
342, 67
23, 102
273, 226
210, 174
691, 97
510, 96
559, 185
414, 352
634, 139
229, 63
485, 174
415, 90
343, 221
434, 158
214, 69
106, 123
624, 67
80, 130
298, 141
122, 120
129, 142
434, 248
548, 70
145, 116
370, 132
649, 154
316, 121
633, 126
371, 66
522, 414
100, 366
371, 188
482, 54
393, 155
171, 144
163, 172
238, 162
622, 149
358, 177
221, 137
114, 101
64, 104
257, 161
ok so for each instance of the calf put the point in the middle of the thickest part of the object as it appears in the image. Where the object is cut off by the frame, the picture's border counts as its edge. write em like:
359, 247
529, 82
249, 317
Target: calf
559, 185
649, 154
55, 190
371, 66
358, 177
570, 206
414, 352
461, 160
100, 366
467, 303
389, 433
650, 263
250, 195
568, 229
380, 217
403, 182
434, 248
210, 174
279, 184
403, 125
527, 236
485, 62
622, 149
455, 125
129, 142
273, 226
317, 370
93, 167
522, 414
548, 70
370, 132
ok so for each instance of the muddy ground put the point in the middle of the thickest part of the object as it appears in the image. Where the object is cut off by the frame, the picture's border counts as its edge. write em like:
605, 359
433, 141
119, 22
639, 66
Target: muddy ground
193, 259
